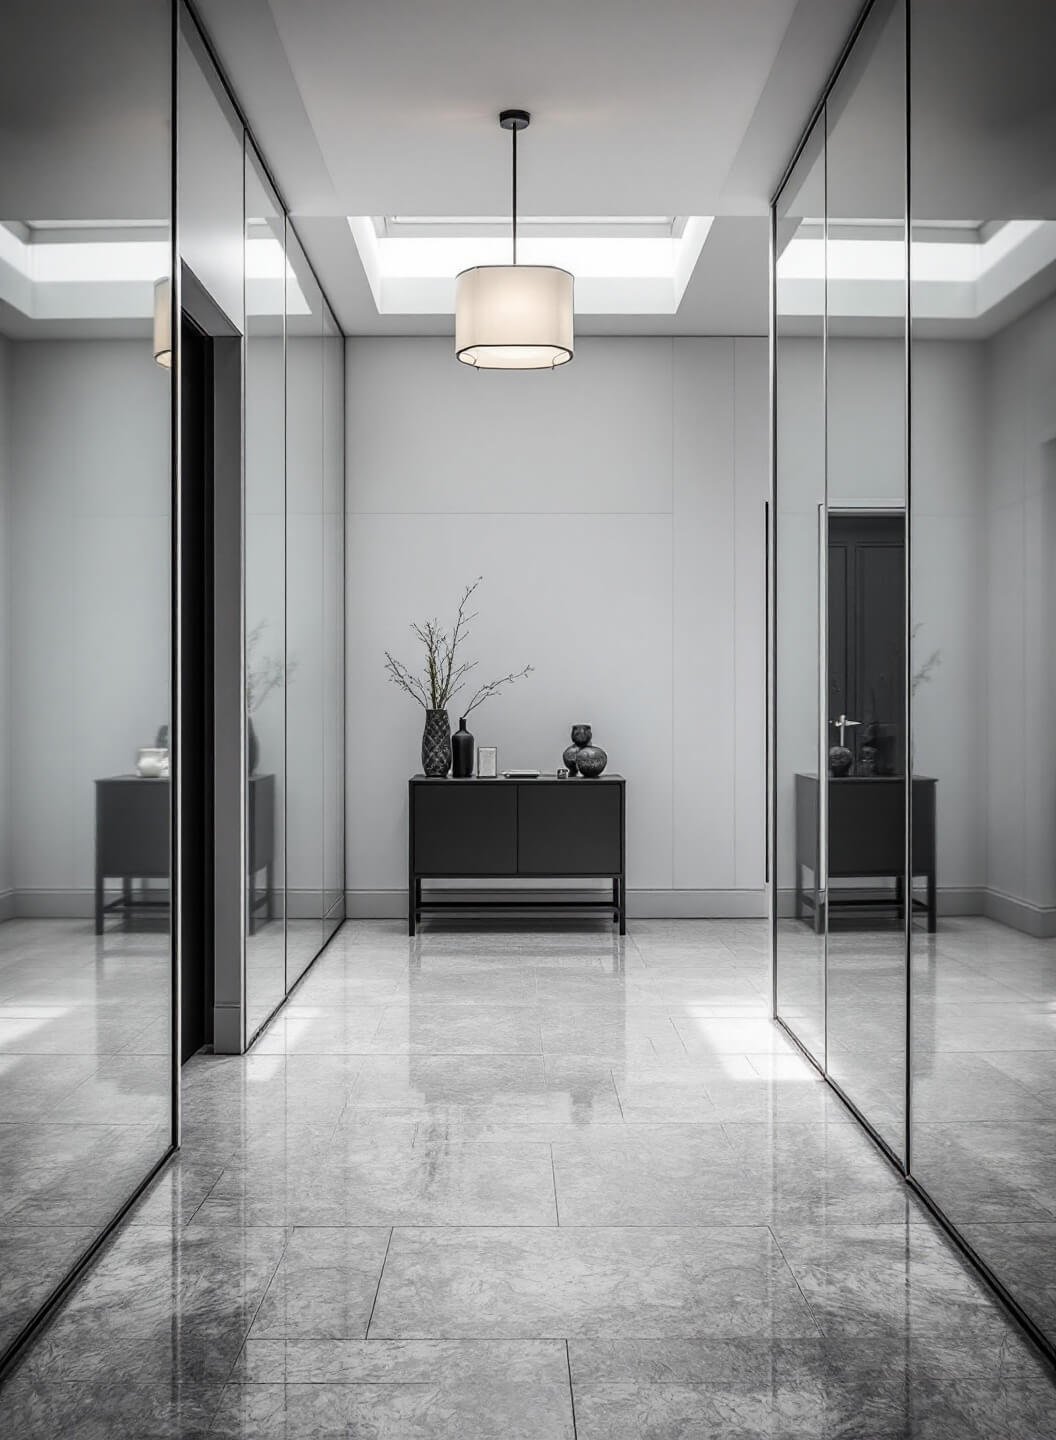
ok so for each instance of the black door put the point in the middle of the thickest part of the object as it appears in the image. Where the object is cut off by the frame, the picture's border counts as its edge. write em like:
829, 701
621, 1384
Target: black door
195, 782
867, 640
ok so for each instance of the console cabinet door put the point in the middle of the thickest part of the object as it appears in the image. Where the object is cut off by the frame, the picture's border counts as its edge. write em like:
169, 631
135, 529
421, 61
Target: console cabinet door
569, 829
468, 829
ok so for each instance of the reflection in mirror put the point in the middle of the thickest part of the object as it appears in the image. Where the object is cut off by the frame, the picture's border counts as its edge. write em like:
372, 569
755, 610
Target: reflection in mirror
305, 667
865, 734
265, 596
983, 666
86, 1074
799, 360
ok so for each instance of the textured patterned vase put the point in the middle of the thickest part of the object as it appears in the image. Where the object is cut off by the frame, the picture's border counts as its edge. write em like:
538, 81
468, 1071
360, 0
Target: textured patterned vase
569, 758
436, 743
591, 761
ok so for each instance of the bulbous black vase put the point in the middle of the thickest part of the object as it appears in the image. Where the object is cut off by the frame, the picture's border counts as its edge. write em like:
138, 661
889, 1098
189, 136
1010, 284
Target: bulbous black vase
591, 760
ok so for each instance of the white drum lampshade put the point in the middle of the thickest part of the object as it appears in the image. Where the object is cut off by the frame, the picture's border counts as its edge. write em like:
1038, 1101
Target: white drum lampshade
163, 322
514, 317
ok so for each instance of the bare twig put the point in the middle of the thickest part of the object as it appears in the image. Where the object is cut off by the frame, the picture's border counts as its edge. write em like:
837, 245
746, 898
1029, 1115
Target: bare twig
444, 676
494, 686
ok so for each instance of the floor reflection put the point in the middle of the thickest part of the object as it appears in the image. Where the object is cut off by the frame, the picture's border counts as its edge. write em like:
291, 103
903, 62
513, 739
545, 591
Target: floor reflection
85, 1095
456, 1171
984, 1132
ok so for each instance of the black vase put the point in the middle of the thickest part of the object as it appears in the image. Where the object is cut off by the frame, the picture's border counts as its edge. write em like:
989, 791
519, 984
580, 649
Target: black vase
436, 743
462, 752
591, 760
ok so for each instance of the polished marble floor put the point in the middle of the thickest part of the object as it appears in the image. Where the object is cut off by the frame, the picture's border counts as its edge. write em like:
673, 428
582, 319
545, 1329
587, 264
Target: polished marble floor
85, 1108
526, 1183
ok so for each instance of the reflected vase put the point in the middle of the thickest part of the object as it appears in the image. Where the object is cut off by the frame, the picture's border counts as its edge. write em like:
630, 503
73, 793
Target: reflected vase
436, 743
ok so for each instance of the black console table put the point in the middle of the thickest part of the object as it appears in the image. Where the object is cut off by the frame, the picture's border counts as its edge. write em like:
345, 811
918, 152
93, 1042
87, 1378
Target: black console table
499, 829
867, 841
132, 838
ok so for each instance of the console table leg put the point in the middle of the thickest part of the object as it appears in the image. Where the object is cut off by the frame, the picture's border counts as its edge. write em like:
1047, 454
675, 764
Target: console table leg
98, 903
615, 900
412, 906
623, 904
932, 904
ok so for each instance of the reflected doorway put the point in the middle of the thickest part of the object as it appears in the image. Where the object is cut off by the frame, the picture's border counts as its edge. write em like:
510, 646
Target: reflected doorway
867, 586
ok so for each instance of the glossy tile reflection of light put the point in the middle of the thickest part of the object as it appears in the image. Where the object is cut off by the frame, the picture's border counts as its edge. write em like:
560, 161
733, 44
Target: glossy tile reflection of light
529, 1183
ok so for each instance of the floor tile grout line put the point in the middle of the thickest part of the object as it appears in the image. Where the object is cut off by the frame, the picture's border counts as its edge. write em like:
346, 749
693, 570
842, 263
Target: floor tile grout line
616, 1092
287, 1231
381, 1275
571, 1391
795, 1279
553, 1176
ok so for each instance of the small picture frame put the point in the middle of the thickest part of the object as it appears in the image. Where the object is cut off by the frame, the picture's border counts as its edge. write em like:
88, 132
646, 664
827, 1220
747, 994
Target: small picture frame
487, 761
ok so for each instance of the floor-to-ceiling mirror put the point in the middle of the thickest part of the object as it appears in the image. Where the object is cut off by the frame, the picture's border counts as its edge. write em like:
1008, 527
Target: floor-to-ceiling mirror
936, 862
983, 204
864, 690
86, 1026
305, 661
265, 595
799, 542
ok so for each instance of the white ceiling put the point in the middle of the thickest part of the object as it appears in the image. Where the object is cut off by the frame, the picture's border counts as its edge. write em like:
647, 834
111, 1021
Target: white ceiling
384, 107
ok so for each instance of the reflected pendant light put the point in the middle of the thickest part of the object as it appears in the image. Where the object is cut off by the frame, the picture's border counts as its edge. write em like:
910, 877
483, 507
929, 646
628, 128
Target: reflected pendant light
163, 322
514, 317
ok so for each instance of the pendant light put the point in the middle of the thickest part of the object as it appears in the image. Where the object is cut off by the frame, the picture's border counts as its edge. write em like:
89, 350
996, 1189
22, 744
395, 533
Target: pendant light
163, 322
514, 317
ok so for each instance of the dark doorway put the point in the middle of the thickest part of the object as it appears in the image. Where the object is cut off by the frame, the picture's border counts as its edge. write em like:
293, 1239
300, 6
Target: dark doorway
196, 718
867, 640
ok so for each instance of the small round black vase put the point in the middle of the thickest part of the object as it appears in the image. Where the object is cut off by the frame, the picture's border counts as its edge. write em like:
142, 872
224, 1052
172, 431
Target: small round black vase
436, 743
582, 734
569, 759
591, 761
462, 752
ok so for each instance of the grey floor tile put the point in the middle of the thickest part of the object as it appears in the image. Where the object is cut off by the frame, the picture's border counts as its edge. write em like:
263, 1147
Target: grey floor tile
506, 1283
325, 1285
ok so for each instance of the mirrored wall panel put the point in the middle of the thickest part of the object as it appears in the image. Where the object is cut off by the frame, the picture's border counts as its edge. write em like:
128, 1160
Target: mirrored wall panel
265, 596
305, 648
865, 624
799, 549
86, 1064
983, 668
936, 620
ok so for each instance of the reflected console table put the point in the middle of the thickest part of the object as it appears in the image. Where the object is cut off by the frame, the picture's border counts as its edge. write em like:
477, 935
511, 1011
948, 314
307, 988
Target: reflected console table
867, 841
132, 838
517, 829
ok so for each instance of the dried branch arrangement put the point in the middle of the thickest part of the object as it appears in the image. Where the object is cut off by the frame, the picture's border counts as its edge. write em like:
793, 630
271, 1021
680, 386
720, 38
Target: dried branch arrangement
444, 675
264, 673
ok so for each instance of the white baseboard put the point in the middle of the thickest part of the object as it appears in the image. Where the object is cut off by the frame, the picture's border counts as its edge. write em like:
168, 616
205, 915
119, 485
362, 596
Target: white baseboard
641, 904
1037, 920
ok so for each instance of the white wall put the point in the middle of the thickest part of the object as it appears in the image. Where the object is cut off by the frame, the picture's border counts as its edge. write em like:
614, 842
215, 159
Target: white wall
615, 510
1020, 458
88, 466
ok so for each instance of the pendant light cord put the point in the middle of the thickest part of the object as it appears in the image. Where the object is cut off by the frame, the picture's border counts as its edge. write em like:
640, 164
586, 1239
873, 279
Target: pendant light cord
513, 132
